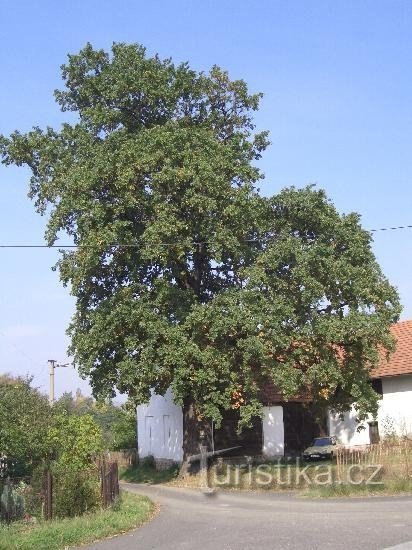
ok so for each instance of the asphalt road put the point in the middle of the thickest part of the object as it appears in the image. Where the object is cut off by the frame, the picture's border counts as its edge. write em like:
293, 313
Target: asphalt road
188, 519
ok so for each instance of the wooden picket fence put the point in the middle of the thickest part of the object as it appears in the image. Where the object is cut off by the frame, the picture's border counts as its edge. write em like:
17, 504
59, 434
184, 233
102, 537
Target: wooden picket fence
395, 458
127, 458
109, 486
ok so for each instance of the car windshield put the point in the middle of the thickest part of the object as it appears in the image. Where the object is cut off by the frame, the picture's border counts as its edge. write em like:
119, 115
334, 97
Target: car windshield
322, 441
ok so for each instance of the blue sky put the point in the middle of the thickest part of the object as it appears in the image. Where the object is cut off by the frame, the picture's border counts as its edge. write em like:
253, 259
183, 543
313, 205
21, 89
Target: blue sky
338, 87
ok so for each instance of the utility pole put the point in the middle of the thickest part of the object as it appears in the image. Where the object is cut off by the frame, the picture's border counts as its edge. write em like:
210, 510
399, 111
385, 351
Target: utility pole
52, 365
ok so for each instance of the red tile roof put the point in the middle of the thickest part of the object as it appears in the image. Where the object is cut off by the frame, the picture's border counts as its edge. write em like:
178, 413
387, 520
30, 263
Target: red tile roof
400, 362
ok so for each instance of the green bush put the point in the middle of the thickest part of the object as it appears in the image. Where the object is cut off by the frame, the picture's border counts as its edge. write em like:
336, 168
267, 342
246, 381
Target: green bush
148, 462
75, 491
24, 419
76, 440
118, 424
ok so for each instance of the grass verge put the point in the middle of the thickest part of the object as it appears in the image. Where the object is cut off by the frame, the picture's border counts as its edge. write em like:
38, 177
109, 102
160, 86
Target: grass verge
132, 511
148, 474
313, 480
390, 488
316, 480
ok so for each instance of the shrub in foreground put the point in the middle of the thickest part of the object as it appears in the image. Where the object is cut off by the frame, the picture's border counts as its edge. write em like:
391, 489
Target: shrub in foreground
75, 491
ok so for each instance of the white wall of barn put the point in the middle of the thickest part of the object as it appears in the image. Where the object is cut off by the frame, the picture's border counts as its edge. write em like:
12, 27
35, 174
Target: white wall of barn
348, 431
160, 428
394, 414
273, 432
396, 405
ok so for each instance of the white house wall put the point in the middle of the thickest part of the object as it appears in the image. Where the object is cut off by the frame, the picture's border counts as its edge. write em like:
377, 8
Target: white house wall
346, 430
394, 414
396, 406
273, 432
160, 428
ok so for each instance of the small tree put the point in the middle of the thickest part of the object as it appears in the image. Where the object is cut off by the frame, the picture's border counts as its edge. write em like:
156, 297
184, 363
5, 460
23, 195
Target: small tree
118, 424
76, 440
24, 421
77, 443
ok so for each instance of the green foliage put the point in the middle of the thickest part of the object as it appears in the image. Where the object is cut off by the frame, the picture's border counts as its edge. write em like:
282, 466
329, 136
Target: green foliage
148, 462
11, 503
118, 425
32, 433
35, 437
24, 420
73, 532
78, 404
76, 440
310, 315
76, 490
146, 473
184, 275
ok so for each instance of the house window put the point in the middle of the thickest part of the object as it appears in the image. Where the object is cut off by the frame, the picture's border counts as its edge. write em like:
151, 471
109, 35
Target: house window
373, 433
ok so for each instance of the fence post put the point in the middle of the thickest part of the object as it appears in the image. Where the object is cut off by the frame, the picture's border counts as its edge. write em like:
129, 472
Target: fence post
109, 474
103, 481
48, 495
115, 481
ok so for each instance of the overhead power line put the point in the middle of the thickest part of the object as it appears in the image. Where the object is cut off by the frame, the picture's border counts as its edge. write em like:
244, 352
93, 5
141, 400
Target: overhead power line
19, 350
146, 245
390, 228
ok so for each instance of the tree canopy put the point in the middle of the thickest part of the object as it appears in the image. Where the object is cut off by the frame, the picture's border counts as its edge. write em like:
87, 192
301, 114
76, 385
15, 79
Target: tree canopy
184, 275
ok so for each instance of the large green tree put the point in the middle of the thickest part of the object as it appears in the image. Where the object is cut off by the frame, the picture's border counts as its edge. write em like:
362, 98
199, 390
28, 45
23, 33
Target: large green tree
185, 276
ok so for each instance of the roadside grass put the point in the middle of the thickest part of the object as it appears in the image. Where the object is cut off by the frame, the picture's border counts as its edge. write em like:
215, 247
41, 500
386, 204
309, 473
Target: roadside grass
269, 476
148, 474
130, 512
378, 470
315, 479
391, 487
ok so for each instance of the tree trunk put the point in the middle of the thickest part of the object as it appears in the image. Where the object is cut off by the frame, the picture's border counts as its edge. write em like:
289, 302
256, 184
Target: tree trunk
196, 432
